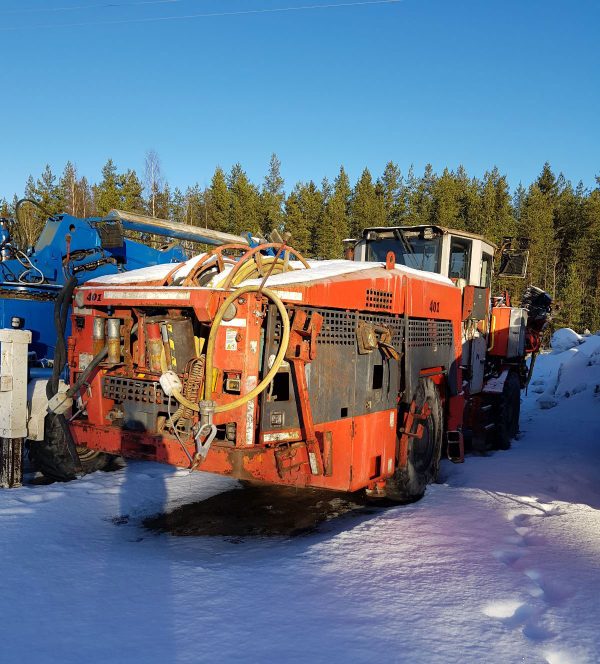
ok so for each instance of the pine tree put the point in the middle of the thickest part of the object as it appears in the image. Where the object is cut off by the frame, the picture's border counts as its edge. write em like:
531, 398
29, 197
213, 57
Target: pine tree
196, 206
367, 208
334, 226
518, 201
419, 196
245, 203
446, 205
304, 209
218, 202
546, 182
570, 313
271, 198
107, 194
468, 201
131, 193
163, 202
68, 186
537, 224
178, 207
393, 194
590, 260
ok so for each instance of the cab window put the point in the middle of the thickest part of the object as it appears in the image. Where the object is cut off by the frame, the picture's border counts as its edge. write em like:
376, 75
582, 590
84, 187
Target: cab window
485, 277
460, 258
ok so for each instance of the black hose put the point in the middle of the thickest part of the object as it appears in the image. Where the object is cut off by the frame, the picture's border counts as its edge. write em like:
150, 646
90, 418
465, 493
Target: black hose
83, 376
33, 202
61, 313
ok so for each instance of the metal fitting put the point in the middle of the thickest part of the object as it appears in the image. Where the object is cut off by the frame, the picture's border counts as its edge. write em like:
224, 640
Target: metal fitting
113, 327
98, 334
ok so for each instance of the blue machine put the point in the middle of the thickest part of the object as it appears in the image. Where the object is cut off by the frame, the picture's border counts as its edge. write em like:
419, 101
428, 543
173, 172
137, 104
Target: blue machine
84, 248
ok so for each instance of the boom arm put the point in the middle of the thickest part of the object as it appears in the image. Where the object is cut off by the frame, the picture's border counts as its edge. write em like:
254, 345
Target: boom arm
145, 224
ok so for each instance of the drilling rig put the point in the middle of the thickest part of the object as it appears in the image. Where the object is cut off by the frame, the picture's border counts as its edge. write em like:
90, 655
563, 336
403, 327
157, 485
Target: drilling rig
258, 364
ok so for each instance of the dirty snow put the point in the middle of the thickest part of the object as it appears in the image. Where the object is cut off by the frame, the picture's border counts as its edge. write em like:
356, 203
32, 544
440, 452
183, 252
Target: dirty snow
500, 562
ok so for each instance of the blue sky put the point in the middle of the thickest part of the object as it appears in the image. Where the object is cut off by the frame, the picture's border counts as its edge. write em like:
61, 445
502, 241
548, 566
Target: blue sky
476, 83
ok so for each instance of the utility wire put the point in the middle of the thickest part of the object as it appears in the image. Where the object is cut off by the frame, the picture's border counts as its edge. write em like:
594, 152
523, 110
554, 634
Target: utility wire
243, 12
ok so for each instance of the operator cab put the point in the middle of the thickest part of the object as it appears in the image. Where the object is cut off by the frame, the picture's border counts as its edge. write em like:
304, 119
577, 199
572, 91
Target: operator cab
464, 257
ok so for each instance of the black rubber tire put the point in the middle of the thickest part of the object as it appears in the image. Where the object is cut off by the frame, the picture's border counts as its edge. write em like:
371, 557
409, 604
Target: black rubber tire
507, 413
51, 456
424, 454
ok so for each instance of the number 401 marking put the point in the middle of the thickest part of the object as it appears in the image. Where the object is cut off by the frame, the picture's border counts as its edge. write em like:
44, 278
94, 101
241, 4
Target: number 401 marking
434, 307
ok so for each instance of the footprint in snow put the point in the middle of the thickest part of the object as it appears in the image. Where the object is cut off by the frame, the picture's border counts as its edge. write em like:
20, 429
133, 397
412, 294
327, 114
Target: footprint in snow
537, 633
552, 593
112, 490
508, 557
512, 613
15, 511
521, 520
33, 498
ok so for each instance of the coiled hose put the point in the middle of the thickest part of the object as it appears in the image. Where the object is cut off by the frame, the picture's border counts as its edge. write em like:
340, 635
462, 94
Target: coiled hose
210, 349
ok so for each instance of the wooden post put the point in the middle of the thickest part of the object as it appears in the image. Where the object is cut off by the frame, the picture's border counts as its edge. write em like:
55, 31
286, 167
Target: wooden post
11, 463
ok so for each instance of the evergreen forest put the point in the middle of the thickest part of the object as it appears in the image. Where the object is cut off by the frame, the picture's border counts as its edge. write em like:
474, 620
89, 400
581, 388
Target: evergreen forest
560, 220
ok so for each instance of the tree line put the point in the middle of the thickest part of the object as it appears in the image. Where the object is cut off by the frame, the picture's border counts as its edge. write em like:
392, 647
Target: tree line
561, 221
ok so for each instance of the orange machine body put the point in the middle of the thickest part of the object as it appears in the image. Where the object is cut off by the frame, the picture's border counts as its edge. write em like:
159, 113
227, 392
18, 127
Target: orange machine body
329, 419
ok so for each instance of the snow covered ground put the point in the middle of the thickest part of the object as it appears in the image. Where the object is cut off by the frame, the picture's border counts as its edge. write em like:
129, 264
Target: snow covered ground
500, 562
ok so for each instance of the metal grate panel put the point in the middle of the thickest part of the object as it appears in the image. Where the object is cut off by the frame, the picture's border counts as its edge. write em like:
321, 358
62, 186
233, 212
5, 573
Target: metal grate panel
429, 332
378, 299
339, 327
126, 389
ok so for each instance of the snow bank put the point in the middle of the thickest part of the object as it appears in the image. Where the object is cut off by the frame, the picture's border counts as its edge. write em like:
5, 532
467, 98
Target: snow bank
499, 563
576, 369
564, 339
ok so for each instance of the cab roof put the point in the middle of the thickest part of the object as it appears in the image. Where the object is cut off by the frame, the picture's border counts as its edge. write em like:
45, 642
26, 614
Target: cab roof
441, 229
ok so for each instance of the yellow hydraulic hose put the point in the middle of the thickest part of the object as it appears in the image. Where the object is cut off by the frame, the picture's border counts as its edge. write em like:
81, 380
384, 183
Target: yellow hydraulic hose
210, 349
250, 270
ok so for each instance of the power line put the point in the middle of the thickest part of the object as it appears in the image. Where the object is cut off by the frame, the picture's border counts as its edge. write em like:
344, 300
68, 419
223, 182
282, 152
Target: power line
243, 12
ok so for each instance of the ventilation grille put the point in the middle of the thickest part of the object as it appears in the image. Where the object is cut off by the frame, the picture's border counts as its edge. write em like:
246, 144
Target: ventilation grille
139, 391
339, 327
378, 299
429, 333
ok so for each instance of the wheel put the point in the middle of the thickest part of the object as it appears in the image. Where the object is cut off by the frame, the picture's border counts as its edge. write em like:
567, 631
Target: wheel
507, 412
51, 456
409, 483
